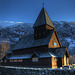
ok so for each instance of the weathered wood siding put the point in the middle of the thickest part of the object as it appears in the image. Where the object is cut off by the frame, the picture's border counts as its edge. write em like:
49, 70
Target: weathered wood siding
40, 32
67, 61
53, 39
48, 27
31, 50
54, 63
62, 61
43, 62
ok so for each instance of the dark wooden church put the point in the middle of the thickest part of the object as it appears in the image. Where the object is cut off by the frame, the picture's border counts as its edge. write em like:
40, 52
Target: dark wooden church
41, 49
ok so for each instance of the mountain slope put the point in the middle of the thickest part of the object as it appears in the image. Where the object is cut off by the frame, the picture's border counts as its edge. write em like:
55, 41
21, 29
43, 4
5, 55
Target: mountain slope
65, 30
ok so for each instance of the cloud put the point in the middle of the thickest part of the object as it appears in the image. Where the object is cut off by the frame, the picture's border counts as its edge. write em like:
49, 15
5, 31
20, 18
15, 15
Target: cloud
19, 22
11, 22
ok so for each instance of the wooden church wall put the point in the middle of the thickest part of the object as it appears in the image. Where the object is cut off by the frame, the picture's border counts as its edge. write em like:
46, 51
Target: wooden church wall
59, 62
43, 62
54, 63
48, 27
52, 41
67, 61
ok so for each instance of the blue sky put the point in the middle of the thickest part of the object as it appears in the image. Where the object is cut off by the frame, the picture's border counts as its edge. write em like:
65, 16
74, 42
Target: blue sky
28, 10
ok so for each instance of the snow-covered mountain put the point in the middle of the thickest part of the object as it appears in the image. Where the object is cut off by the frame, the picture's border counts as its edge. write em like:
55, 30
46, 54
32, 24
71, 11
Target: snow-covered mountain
13, 30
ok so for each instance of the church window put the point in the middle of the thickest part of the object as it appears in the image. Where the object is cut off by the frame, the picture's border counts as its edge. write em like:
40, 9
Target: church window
55, 44
20, 60
35, 59
15, 60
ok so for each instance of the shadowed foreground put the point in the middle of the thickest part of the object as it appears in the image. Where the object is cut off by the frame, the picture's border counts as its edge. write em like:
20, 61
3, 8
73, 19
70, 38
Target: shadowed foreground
34, 71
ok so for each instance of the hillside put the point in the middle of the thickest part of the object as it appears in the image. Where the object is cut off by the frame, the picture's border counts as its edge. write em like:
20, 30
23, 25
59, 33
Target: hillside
65, 30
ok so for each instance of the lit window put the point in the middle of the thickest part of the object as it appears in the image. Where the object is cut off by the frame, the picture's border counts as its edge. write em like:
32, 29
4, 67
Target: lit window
20, 60
15, 60
55, 44
35, 60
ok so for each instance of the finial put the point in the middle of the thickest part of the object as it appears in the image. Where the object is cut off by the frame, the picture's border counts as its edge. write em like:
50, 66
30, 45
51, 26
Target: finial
43, 3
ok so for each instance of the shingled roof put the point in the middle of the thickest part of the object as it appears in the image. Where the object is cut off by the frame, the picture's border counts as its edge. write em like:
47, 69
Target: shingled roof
28, 56
28, 42
58, 51
53, 52
43, 19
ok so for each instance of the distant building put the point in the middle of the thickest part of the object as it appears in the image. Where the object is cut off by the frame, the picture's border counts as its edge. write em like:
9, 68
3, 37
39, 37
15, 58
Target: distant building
4, 47
41, 49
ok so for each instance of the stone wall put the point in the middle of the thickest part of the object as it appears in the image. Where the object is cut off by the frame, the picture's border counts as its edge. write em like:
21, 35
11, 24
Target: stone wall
34, 71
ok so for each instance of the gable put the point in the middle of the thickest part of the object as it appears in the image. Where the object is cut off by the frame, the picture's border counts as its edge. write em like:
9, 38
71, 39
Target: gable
34, 55
54, 40
60, 51
66, 53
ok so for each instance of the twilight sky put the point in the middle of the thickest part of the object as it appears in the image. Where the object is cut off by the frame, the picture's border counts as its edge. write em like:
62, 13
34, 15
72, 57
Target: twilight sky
28, 10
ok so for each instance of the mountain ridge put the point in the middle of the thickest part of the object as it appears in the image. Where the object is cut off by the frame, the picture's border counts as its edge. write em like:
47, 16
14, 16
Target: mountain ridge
65, 31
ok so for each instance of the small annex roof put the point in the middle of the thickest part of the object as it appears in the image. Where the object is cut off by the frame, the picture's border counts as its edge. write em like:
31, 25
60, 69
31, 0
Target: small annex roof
47, 54
58, 51
53, 52
28, 42
43, 19
26, 56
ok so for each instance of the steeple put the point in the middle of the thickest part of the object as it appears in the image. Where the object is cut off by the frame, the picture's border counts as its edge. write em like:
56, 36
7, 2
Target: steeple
42, 25
43, 19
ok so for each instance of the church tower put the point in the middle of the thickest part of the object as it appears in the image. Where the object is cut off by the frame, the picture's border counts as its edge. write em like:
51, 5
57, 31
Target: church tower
42, 25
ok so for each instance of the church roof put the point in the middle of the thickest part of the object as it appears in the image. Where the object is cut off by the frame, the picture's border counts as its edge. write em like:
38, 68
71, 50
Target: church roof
25, 56
53, 52
43, 19
28, 42
28, 56
58, 51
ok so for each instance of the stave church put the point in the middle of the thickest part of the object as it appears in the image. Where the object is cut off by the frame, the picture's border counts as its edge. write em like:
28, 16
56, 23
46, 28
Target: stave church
41, 49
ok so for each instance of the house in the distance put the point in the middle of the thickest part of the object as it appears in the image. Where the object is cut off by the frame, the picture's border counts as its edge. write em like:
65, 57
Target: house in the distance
41, 49
4, 47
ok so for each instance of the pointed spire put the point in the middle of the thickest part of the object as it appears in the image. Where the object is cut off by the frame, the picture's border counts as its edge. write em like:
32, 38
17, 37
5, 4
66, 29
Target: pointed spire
43, 19
43, 3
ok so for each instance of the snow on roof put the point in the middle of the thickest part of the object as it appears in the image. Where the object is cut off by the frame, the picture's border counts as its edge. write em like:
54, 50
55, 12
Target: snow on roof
47, 54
